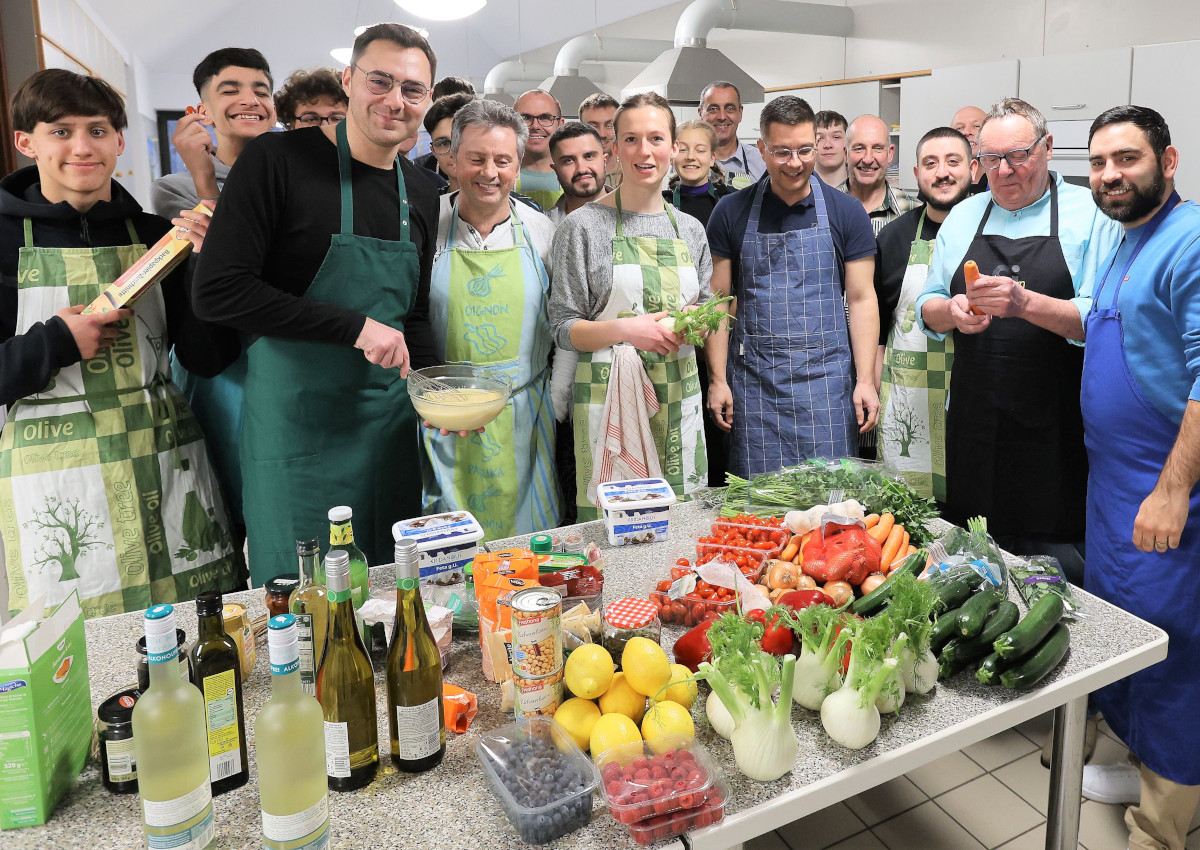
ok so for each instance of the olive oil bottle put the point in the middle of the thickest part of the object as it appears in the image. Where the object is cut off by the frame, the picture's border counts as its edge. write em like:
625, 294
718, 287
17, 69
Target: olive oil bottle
217, 672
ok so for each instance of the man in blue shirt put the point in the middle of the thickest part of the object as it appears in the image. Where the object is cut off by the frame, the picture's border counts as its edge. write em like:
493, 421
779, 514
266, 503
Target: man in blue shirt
721, 106
1141, 410
1014, 433
788, 248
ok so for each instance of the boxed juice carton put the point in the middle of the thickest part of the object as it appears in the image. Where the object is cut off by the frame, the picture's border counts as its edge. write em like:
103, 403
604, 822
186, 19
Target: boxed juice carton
45, 711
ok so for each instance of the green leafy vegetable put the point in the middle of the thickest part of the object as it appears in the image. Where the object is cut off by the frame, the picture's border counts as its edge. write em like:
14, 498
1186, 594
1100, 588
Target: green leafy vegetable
698, 321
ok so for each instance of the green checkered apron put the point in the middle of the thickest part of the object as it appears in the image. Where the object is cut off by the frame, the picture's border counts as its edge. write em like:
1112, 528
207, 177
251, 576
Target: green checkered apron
916, 379
649, 275
105, 484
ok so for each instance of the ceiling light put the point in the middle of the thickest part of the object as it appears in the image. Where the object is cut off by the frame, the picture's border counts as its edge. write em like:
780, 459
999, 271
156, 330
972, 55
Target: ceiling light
421, 31
441, 10
342, 54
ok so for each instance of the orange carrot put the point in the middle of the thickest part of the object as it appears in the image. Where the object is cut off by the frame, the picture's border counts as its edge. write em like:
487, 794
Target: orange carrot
911, 550
791, 549
892, 545
871, 520
799, 559
900, 556
880, 531
970, 275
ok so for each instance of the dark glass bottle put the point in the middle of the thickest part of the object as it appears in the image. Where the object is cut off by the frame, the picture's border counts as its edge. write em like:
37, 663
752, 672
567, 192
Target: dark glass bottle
217, 672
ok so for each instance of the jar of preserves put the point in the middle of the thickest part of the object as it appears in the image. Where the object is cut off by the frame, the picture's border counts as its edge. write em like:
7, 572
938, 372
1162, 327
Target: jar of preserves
625, 619
279, 592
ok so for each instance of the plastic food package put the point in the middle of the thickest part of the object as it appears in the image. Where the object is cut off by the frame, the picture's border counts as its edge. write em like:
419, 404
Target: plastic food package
1037, 575
960, 553
519, 760
380, 607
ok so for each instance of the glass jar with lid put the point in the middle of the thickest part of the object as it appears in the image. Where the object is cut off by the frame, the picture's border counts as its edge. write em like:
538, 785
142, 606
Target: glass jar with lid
627, 618
279, 593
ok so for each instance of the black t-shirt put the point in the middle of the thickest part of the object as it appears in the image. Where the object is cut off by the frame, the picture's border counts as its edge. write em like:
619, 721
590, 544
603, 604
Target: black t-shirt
698, 204
894, 242
273, 226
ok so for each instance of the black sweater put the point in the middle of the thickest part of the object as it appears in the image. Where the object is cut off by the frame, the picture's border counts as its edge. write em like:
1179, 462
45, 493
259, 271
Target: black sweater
29, 360
277, 214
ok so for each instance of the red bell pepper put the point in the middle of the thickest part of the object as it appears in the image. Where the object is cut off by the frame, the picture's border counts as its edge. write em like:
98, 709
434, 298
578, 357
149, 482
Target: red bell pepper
800, 599
777, 638
693, 647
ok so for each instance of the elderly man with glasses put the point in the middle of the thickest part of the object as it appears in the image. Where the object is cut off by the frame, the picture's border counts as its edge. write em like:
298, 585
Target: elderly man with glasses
323, 256
1014, 431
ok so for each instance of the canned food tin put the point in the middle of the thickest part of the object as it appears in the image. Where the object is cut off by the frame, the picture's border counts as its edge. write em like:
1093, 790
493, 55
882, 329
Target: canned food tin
536, 632
237, 626
539, 697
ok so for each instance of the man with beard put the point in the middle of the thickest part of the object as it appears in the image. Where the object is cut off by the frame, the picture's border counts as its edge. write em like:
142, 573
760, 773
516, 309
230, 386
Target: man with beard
323, 253
721, 106
967, 121
543, 115
577, 155
1014, 435
1141, 410
870, 152
916, 369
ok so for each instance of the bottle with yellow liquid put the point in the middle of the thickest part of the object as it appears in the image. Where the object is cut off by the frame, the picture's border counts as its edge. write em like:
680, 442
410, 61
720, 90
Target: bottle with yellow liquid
308, 603
341, 536
217, 672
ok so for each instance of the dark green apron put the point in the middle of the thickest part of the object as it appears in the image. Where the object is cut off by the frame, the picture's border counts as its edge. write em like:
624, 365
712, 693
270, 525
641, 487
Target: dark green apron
322, 425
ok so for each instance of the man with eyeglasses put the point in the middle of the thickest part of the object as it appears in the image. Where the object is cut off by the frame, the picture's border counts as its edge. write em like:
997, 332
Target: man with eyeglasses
599, 111
788, 248
542, 115
323, 256
234, 85
721, 106
1014, 432
309, 98
438, 121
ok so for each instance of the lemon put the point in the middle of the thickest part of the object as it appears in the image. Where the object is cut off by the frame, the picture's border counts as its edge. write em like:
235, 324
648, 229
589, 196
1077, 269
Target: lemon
683, 688
578, 716
613, 730
588, 671
667, 718
622, 699
646, 666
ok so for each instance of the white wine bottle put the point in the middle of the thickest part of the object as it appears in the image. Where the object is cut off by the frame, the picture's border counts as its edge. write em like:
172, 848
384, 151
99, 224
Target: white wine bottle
171, 747
289, 747
341, 536
346, 688
309, 604
414, 673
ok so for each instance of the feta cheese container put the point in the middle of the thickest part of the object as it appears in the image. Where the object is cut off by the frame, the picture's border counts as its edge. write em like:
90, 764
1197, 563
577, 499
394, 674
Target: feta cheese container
447, 544
636, 511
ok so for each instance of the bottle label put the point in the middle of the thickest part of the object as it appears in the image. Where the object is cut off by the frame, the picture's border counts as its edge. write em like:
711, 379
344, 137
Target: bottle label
121, 764
418, 729
337, 750
184, 823
161, 648
408, 583
339, 595
221, 712
308, 658
340, 534
306, 830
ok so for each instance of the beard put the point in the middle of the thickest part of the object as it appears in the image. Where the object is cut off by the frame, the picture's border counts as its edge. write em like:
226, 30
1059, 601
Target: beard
1141, 204
946, 206
570, 188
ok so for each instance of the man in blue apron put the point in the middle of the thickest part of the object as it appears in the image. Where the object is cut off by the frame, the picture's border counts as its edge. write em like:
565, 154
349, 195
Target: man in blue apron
1141, 415
323, 254
1014, 435
788, 248
721, 106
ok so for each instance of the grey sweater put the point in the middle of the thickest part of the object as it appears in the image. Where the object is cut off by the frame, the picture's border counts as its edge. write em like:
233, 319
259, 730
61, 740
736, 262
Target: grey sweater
174, 192
583, 260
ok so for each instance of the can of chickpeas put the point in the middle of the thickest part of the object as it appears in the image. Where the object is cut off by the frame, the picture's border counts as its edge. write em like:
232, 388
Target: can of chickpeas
537, 649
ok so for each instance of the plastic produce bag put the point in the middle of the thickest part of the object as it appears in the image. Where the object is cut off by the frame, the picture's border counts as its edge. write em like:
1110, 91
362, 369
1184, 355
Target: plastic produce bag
1037, 575
967, 553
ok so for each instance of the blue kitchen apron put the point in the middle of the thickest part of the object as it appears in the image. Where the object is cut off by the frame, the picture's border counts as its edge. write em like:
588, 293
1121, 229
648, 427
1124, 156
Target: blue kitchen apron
1128, 440
789, 364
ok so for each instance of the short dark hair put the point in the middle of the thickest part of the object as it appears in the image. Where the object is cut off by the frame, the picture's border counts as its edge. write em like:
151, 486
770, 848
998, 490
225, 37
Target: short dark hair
788, 110
238, 57
398, 34
721, 84
646, 98
53, 93
443, 108
573, 130
451, 85
944, 133
1158, 134
599, 100
305, 87
829, 118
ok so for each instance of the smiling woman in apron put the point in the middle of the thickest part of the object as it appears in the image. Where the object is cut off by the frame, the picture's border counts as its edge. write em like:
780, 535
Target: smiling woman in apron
105, 484
488, 308
619, 265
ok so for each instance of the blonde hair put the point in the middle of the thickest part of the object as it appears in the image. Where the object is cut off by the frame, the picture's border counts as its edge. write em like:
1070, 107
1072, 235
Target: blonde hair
716, 174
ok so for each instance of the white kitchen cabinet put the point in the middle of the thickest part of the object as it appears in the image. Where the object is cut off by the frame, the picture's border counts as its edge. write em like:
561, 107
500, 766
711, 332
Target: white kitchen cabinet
1077, 86
851, 99
1159, 75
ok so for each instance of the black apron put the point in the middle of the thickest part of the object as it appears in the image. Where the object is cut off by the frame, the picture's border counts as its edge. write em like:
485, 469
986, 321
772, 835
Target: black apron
1014, 431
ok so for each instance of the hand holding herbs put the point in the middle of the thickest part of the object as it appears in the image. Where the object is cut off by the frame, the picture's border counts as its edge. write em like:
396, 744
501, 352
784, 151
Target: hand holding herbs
695, 323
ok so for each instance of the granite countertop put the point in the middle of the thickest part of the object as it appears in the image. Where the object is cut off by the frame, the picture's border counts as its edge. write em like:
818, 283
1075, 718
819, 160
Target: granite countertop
450, 806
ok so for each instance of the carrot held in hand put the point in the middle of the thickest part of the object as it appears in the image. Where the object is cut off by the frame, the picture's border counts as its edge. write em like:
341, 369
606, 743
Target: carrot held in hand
970, 275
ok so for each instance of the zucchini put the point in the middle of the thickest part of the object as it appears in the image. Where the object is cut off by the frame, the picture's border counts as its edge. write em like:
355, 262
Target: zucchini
952, 662
874, 602
1001, 620
975, 611
989, 670
1024, 637
1044, 659
943, 630
953, 593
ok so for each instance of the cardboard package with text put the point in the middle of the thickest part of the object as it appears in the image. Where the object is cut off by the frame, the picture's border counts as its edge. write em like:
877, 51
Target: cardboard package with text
45, 711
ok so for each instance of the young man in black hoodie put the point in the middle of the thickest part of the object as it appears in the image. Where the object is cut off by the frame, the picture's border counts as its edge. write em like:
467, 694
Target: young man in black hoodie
105, 484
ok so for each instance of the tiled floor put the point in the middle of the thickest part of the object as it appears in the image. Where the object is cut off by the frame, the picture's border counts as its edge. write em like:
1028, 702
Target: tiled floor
990, 795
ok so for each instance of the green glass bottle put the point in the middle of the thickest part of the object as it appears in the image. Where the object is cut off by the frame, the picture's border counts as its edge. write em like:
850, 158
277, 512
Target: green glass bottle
346, 688
171, 747
217, 672
308, 603
341, 536
289, 748
414, 673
